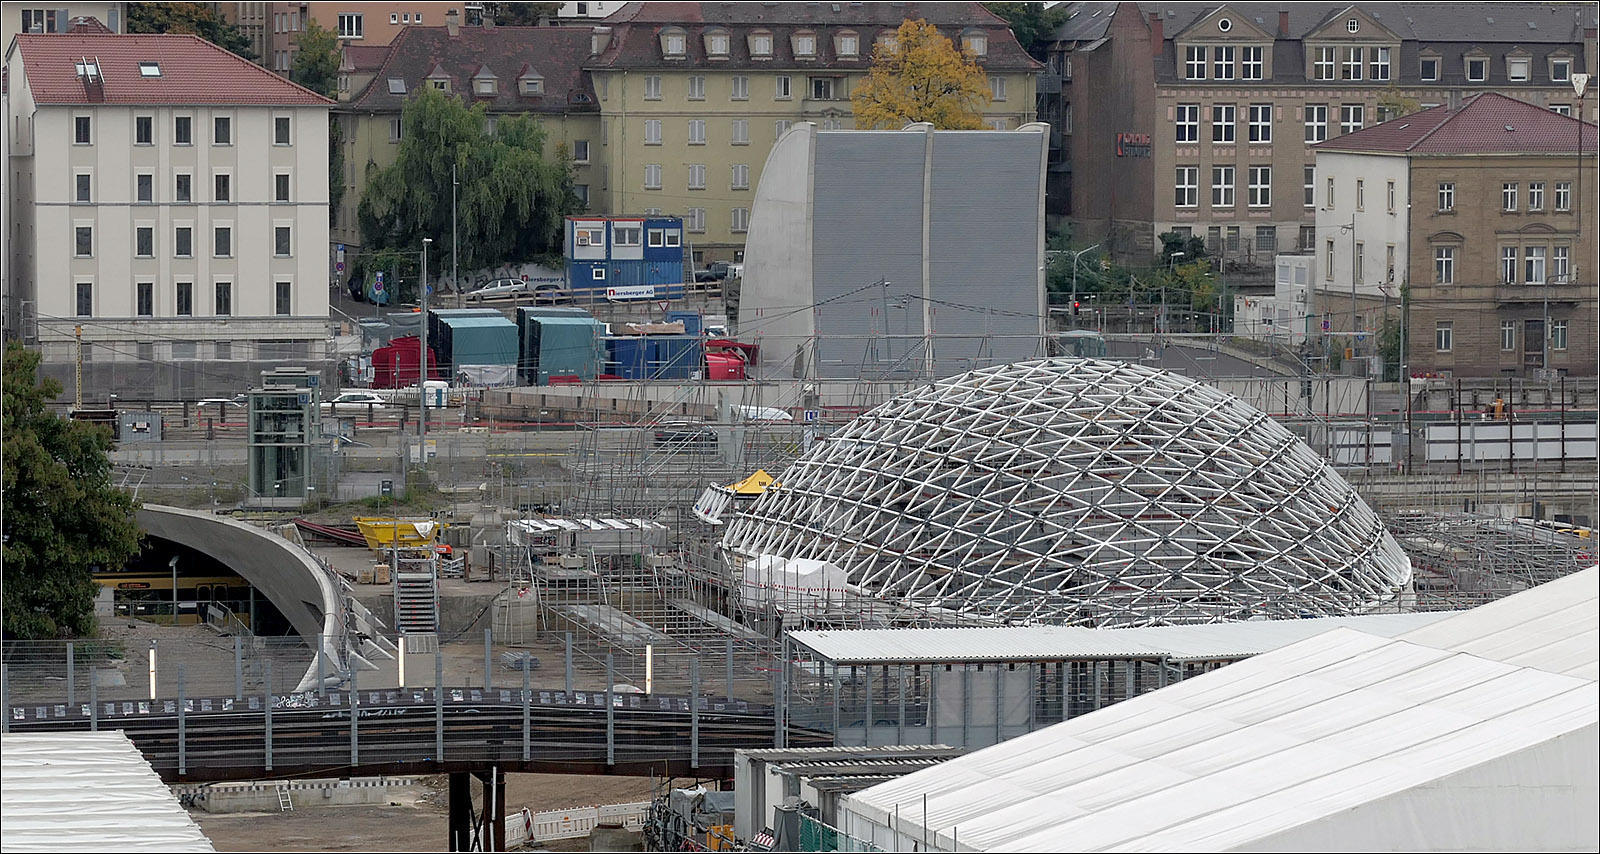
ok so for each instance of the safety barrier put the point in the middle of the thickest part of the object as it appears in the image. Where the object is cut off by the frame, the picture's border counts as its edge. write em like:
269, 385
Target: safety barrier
527, 826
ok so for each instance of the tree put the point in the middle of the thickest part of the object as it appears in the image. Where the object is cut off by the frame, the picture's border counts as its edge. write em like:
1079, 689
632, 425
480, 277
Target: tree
512, 198
521, 14
63, 518
316, 63
922, 78
193, 18
1033, 24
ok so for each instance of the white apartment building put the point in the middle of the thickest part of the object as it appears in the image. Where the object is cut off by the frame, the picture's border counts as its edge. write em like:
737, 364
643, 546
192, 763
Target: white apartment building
169, 202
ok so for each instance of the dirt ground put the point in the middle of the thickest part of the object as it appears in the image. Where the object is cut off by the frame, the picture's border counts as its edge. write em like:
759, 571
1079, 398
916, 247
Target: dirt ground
415, 819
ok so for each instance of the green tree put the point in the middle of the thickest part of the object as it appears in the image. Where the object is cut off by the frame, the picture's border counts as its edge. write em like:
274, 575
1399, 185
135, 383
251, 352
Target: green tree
521, 14
316, 63
922, 78
335, 169
193, 18
63, 518
1033, 24
511, 201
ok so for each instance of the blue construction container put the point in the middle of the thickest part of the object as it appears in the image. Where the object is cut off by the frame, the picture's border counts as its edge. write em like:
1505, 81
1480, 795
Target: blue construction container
689, 319
569, 346
628, 357
625, 258
675, 357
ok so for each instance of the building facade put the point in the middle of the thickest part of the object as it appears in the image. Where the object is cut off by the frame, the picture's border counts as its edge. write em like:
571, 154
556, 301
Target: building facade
56, 17
1486, 206
693, 96
1241, 90
169, 204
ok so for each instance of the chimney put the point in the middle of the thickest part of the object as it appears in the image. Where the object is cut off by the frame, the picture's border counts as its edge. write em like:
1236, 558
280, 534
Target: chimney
599, 40
488, 21
1283, 23
1157, 39
452, 23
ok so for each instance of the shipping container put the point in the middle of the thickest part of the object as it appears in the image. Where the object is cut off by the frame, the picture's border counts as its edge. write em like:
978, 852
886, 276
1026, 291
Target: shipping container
627, 356
528, 337
568, 347
471, 343
395, 365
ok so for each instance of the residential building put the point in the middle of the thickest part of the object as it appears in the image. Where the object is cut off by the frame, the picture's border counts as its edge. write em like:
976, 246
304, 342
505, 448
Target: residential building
1492, 211
693, 96
274, 28
584, 13
512, 70
1241, 91
168, 200
942, 272
20, 18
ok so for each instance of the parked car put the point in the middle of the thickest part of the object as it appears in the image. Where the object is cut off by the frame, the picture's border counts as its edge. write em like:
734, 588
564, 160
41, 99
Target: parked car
716, 271
223, 404
543, 292
354, 403
686, 434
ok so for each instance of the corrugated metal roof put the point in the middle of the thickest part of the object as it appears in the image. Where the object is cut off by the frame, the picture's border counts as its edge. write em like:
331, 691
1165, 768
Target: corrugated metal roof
1045, 643
477, 321
88, 791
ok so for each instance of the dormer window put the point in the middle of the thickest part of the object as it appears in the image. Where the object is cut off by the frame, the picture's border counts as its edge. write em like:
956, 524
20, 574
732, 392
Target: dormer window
975, 42
530, 83
805, 45
890, 40
1477, 67
1429, 70
440, 83
717, 42
1519, 67
1560, 70
674, 43
761, 45
847, 45
484, 83
1353, 25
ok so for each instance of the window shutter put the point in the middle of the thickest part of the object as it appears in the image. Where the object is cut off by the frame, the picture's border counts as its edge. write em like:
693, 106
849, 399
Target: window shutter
61, 21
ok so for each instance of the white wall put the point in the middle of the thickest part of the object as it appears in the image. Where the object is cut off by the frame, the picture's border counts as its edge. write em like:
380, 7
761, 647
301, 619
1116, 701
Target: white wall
1377, 224
777, 289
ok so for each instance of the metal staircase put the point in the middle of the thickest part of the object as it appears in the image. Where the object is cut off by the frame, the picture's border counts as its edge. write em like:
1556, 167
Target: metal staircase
416, 594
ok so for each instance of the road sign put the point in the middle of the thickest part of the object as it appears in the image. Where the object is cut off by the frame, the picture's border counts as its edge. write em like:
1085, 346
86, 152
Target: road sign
812, 415
341, 247
338, 266
1326, 325
377, 286
1361, 339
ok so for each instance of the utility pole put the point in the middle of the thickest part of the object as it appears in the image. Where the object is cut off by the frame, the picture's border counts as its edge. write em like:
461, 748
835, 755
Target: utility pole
455, 282
77, 391
1353, 277
422, 368
1075, 277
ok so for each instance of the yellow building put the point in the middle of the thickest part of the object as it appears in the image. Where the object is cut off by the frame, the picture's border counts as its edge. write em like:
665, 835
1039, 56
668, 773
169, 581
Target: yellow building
690, 109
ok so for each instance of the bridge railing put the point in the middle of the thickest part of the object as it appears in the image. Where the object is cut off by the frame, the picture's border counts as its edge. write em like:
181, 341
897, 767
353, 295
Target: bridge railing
130, 668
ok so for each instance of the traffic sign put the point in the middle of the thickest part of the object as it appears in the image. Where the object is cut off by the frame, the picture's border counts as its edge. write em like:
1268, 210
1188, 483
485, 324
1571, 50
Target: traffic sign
1326, 325
338, 266
377, 287
811, 415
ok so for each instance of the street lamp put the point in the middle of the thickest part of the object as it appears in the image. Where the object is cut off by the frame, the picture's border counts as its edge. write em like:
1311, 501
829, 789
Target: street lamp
1075, 273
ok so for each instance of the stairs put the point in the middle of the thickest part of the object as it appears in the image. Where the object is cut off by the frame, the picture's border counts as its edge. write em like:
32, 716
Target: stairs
285, 803
416, 597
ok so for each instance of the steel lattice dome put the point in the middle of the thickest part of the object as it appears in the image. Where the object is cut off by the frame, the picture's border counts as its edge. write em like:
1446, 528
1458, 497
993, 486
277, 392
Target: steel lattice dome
1080, 491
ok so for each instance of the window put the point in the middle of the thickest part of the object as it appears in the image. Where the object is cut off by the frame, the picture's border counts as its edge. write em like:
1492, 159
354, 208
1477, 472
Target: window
780, 126
224, 303
184, 295
739, 89
1327, 265
975, 43
182, 131
697, 131
592, 235
1352, 63
697, 88
1250, 66
1508, 196
1308, 238
695, 220
657, 237
283, 299
188, 351
1508, 335
848, 45
1222, 120
144, 188
783, 91
1558, 335
1561, 109
1266, 238
85, 301
1322, 64
1533, 268
1188, 187
805, 45
223, 188
1261, 123
1222, 186
1560, 70
1444, 265
1316, 122
1194, 66
822, 88
741, 176
350, 26
1361, 194
1443, 336
741, 132
1535, 195
1310, 173
44, 20
1329, 199
582, 192
83, 181
1388, 263
1389, 196
280, 241
717, 44
1477, 69
144, 241
221, 130
1517, 67
1563, 195
1430, 69
1222, 62
1380, 63
652, 88
652, 131
627, 235
652, 176
1447, 197
280, 130
182, 188
144, 130
997, 88
82, 130
1260, 186
1361, 261
440, 83
280, 187
1188, 123
1561, 265
761, 45
144, 299
741, 219
223, 241
697, 176
84, 243
1508, 265
183, 242
1352, 117
674, 43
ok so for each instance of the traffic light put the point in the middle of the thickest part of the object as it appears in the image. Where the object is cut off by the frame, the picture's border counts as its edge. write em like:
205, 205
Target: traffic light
1075, 305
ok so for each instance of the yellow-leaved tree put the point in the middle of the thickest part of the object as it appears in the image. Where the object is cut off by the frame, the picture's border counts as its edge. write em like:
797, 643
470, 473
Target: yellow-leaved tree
921, 77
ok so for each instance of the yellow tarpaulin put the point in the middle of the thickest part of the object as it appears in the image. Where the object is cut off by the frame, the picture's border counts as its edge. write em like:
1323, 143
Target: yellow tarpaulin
755, 484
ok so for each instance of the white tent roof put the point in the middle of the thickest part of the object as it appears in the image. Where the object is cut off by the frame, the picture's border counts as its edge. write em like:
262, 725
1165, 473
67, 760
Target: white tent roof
1346, 734
1212, 641
88, 791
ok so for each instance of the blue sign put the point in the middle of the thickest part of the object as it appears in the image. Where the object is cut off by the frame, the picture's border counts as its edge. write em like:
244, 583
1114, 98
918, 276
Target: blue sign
811, 415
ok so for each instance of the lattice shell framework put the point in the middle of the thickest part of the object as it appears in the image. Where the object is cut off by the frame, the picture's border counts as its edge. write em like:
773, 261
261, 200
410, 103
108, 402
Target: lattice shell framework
1080, 491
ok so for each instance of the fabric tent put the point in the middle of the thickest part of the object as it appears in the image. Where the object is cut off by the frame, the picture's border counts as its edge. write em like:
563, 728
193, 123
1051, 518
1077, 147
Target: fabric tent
780, 581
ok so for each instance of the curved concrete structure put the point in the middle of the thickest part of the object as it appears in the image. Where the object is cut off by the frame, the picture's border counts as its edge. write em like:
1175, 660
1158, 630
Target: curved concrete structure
284, 572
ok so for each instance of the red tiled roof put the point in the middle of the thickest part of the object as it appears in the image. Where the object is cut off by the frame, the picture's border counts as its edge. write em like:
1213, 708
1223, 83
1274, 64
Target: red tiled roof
556, 53
193, 71
87, 24
363, 57
1488, 124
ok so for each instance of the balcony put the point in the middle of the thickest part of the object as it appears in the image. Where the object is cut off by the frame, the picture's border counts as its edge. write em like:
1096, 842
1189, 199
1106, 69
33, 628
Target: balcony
1567, 292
